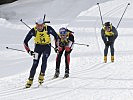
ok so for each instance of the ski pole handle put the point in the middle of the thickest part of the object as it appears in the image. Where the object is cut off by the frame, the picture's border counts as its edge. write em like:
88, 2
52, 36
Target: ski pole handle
15, 49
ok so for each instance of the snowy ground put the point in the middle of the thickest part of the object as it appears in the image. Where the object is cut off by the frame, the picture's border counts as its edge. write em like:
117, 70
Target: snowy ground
90, 78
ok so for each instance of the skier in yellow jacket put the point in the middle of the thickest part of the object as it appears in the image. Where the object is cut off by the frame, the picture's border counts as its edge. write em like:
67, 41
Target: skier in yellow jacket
109, 34
41, 33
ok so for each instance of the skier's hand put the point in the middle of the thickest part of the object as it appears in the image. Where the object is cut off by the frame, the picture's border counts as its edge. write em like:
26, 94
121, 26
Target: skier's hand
33, 54
56, 49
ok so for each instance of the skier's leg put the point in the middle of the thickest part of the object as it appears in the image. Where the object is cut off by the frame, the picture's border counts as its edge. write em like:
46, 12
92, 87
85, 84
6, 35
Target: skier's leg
45, 56
112, 51
67, 61
33, 71
58, 60
37, 49
34, 66
105, 53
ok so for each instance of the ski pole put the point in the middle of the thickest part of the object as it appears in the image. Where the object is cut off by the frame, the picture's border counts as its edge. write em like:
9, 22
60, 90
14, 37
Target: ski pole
15, 49
25, 23
52, 46
100, 13
123, 15
82, 44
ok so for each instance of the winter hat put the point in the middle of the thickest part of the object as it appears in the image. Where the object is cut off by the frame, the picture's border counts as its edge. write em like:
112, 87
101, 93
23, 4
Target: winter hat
62, 31
107, 24
39, 21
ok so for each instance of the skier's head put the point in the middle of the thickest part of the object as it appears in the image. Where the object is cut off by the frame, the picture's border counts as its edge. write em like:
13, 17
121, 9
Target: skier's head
62, 31
39, 24
108, 26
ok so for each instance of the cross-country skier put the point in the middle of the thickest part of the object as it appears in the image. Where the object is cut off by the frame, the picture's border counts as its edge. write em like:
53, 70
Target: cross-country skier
109, 34
64, 44
42, 41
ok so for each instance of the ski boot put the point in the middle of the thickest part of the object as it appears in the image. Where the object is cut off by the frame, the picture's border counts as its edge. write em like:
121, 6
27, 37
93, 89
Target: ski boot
105, 59
66, 75
112, 58
41, 78
29, 83
56, 73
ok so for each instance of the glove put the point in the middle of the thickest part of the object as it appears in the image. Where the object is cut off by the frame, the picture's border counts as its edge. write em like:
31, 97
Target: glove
31, 53
56, 49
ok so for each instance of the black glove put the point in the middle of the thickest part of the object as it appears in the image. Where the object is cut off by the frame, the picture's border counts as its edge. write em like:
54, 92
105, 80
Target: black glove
31, 53
56, 49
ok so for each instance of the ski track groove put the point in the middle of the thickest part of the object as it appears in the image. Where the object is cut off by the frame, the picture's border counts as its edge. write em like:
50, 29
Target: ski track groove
61, 93
48, 82
92, 68
22, 89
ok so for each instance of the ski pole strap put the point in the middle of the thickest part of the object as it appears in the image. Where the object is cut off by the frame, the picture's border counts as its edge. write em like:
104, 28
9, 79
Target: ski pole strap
82, 44
15, 49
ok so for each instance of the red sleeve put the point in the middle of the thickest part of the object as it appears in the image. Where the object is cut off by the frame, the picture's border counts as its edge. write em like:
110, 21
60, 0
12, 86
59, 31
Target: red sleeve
26, 47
